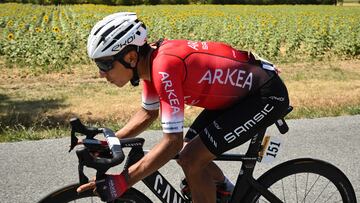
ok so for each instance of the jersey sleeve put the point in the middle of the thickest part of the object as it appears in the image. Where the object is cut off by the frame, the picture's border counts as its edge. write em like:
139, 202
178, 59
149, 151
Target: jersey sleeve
150, 98
168, 75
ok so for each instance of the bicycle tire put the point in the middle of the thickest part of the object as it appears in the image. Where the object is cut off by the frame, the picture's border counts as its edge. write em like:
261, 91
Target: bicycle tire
69, 194
305, 169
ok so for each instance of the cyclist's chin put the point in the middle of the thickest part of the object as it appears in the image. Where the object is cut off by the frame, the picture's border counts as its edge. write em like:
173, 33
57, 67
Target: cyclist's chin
119, 83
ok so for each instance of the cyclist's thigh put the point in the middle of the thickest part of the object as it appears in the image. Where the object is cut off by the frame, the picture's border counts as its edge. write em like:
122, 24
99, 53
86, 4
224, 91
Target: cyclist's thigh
240, 123
204, 119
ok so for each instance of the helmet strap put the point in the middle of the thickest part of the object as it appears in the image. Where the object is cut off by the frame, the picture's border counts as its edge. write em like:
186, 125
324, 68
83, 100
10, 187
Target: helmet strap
135, 80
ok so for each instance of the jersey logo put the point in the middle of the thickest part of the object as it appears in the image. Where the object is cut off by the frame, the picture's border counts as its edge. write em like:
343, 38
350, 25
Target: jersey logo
169, 89
236, 78
232, 136
191, 102
196, 45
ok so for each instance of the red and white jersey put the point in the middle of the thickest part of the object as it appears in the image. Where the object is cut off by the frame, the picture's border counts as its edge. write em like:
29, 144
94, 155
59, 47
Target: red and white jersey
205, 74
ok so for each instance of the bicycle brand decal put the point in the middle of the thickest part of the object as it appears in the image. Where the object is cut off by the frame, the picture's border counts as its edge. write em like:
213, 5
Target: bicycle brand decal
164, 190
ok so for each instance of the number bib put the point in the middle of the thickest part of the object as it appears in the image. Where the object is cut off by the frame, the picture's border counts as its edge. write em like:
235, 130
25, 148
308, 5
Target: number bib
271, 147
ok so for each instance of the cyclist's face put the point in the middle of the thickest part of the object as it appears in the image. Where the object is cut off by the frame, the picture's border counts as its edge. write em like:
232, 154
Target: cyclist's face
118, 75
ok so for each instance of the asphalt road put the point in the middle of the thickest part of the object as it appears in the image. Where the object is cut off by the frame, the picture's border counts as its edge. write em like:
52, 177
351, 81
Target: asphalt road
31, 169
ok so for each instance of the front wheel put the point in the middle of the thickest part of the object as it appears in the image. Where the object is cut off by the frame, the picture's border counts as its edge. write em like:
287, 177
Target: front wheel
305, 180
69, 194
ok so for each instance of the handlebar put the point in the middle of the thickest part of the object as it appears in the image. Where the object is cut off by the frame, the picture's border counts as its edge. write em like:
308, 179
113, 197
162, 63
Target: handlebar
101, 164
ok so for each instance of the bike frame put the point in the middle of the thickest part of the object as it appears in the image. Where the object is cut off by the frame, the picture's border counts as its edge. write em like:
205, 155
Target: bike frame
158, 184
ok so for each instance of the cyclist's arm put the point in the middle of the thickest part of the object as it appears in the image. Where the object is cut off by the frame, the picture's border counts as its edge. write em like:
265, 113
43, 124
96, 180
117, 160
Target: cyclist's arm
138, 123
169, 146
168, 86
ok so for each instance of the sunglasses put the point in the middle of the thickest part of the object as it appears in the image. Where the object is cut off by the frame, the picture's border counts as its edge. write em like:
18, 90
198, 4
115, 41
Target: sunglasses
105, 65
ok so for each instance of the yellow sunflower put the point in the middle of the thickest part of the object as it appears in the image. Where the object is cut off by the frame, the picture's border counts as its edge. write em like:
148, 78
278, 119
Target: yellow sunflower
46, 18
38, 30
56, 29
22, 25
9, 23
11, 36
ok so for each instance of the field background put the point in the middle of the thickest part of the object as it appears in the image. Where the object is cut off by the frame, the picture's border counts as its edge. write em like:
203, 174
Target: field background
46, 77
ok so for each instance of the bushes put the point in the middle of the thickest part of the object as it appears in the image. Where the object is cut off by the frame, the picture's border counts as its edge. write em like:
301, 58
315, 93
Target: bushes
268, 2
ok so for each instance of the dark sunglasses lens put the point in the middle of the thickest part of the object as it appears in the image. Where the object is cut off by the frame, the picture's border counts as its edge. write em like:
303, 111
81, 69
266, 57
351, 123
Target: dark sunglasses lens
104, 66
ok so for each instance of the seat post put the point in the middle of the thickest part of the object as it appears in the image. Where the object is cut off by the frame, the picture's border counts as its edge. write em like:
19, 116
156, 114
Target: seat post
255, 143
253, 151
247, 168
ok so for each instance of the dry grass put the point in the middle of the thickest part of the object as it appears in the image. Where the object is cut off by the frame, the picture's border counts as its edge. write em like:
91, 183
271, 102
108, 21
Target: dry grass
80, 93
29, 99
324, 88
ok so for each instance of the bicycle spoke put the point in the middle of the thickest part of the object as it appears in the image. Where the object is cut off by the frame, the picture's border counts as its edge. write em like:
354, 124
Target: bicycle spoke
306, 185
282, 185
322, 192
296, 190
330, 196
312, 187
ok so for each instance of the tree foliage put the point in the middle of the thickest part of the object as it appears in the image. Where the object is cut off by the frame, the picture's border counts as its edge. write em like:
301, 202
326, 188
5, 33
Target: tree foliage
155, 2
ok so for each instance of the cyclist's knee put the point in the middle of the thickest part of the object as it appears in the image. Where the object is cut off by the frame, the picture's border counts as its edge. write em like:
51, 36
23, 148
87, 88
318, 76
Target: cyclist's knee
184, 160
188, 163
179, 160
195, 157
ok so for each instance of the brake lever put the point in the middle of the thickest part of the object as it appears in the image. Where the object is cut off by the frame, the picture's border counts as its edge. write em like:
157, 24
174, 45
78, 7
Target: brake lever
82, 177
74, 140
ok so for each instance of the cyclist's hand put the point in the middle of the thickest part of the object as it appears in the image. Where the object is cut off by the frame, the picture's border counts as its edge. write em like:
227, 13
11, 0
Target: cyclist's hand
108, 189
87, 186
112, 187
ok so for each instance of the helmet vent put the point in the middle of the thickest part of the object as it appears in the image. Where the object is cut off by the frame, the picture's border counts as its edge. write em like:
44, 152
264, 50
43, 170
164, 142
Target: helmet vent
107, 32
123, 32
97, 31
117, 37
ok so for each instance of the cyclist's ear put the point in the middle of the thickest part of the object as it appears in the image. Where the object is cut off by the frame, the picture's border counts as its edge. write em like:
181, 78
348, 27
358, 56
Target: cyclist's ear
132, 58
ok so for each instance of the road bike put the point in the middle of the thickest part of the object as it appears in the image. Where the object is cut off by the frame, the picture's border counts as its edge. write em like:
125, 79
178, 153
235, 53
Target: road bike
298, 180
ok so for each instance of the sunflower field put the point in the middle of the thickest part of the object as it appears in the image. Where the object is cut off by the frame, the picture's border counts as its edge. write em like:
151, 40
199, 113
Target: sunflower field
54, 37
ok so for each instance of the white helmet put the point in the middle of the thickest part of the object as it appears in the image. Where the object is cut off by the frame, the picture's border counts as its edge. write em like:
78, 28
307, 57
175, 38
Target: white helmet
113, 33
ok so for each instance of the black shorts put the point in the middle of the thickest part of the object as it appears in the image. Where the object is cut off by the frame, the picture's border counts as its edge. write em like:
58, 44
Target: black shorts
222, 130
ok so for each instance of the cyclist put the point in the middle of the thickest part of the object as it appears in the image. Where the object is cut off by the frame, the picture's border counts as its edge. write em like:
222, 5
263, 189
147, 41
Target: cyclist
240, 92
